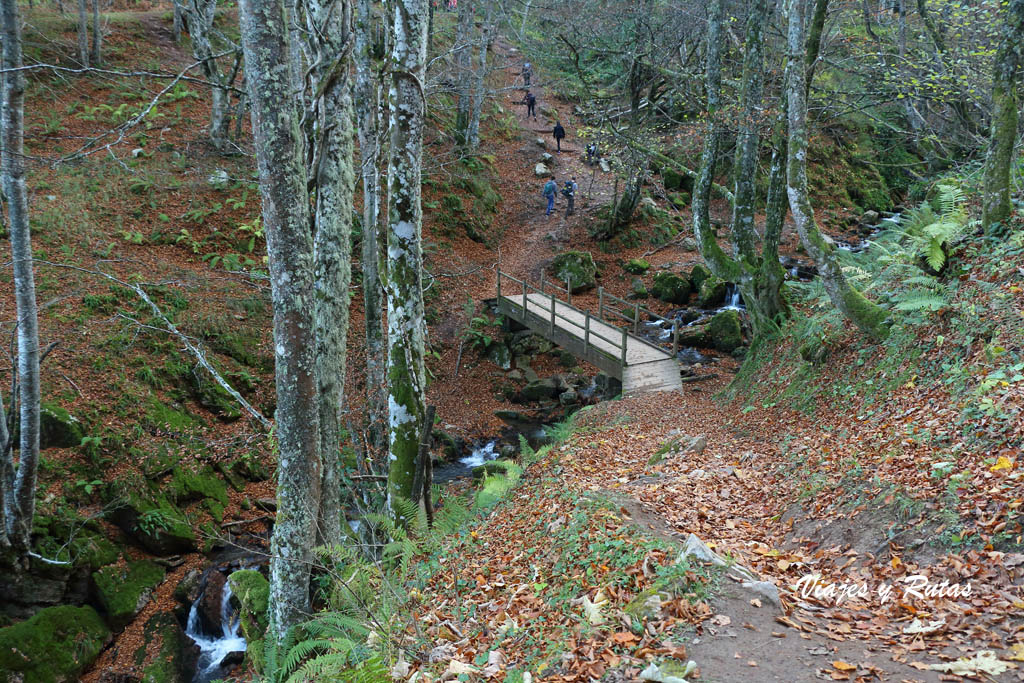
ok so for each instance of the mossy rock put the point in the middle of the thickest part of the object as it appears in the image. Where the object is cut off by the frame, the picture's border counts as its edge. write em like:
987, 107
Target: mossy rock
670, 287
215, 398
124, 591
698, 275
680, 200
57, 644
155, 523
166, 417
499, 354
647, 605
637, 266
725, 332
250, 468
58, 428
577, 267
252, 592
447, 442
88, 548
712, 292
233, 479
188, 485
177, 656
638, 290
695, 336
489, 468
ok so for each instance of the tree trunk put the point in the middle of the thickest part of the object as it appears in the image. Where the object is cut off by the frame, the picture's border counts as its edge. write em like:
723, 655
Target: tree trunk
463, 71
367, 105
748, 142
1009, 60
97, 34
866, 315
176, 26
329, 30
83, 33
480, 86
404, 285
275, 124
201, 15
20, 496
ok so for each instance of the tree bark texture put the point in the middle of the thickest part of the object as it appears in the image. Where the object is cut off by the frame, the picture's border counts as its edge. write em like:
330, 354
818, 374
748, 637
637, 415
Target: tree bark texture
1009, 61
866, 315
97, 34
463, 70
83, 33
329, 30
201, 14
406, 377
747, 138
19, 495
480, 77
286, 219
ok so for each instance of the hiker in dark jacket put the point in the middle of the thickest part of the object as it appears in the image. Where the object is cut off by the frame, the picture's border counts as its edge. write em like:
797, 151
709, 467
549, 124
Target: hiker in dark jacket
550, 190
531, 102
569, 192
559, 134
527, 73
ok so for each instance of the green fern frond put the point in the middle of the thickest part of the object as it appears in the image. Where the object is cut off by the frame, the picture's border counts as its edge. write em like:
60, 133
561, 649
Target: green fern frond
921, 301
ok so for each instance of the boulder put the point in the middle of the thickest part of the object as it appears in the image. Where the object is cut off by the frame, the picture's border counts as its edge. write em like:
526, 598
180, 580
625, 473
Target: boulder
154, 522
177, 655
548, 159
638, 290
500, 355
688, 244
637, 266
725, 332
58, 428
670, 287
604, 165
607, 386
681, 200
210, 600
488, 468
124, 591
647, 204
541, 171
449, 446
577, 268
569, 397
712, 292
56, 645
541, 142
870, 217
697, 335
251, 591
698, 274
196, 485
540, 390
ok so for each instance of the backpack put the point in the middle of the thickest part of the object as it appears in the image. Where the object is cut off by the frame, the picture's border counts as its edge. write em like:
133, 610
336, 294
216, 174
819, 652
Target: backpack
567, 190
549, 188
531, 99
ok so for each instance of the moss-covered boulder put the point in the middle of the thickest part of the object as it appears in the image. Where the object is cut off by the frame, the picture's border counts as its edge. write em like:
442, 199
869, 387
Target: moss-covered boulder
670, 287
57, 644
577, 268
540, 390
725, 332
252, 592
489, 468
196, 485
166, 655
154, 522
637, 266
124, 591
698, 275
638, 290
712, 292
58, 428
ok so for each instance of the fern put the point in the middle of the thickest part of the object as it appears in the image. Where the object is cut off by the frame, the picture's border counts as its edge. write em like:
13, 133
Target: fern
929, 229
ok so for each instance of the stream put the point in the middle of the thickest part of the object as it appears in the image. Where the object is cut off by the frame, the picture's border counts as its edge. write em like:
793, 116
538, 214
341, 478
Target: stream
213, 649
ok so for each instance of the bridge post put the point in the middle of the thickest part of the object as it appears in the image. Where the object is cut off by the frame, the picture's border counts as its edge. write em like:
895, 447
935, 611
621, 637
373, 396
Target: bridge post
600, 303
499, 284
552, 300
586, 332
624, 344
636, 318
568, 289
675, 338
542, 282
524, 299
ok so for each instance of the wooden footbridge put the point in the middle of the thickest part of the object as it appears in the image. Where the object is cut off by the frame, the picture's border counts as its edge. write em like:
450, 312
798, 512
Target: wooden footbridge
639, 364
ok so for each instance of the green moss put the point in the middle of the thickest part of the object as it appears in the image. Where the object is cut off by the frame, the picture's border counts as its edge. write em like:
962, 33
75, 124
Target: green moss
637, 266
711, 292
188, 485
726, 334
55, 645
154, 521
169, 665
577, 267
698, 275
163, 416
58, 428
670, 287
252, 591
123, 591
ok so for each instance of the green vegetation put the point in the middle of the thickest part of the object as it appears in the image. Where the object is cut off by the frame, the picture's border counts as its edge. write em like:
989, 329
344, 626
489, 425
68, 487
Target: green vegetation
123, 591
56, 645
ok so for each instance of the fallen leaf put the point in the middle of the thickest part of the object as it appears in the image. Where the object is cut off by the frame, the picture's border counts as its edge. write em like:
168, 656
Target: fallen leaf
1017, 652
918, 626
721, 620
1003, 463
844, 666
983, 662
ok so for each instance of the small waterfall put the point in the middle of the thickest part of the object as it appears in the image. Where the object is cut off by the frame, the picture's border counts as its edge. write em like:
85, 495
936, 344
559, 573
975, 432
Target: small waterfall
213, 650
480, 455
733, 301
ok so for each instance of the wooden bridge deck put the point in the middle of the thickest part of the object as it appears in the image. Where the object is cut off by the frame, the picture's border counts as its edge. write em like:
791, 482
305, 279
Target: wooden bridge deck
639, 364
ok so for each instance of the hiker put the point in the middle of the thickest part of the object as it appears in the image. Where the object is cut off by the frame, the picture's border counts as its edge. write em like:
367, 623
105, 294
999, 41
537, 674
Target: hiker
559, 134
550, 190
527, 72
531, 103
569, 191
591, 154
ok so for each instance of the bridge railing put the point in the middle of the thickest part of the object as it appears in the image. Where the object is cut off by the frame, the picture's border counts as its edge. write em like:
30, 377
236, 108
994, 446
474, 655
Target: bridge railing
631, 312
524, 288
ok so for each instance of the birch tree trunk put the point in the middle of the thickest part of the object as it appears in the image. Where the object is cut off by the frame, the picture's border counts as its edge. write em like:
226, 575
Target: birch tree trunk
480, 87
407, 107
20, 495
329, 27
275, 124
176, 26
97, 34
201, 15
1009, 61
367, 99
866, 315
463, 71
83, 33
748, 140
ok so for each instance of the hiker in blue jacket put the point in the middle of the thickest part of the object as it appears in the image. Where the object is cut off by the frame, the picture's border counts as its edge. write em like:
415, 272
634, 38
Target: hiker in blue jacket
550, 190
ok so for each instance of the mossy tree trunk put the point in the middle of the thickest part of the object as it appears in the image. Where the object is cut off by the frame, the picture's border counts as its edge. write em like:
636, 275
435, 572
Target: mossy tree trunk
201, 15
1009, 60
332, 150
480, 77
406, 376
18, 491
865, 314
286, 219
463, 71
83, 33
97, 34
367, 102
